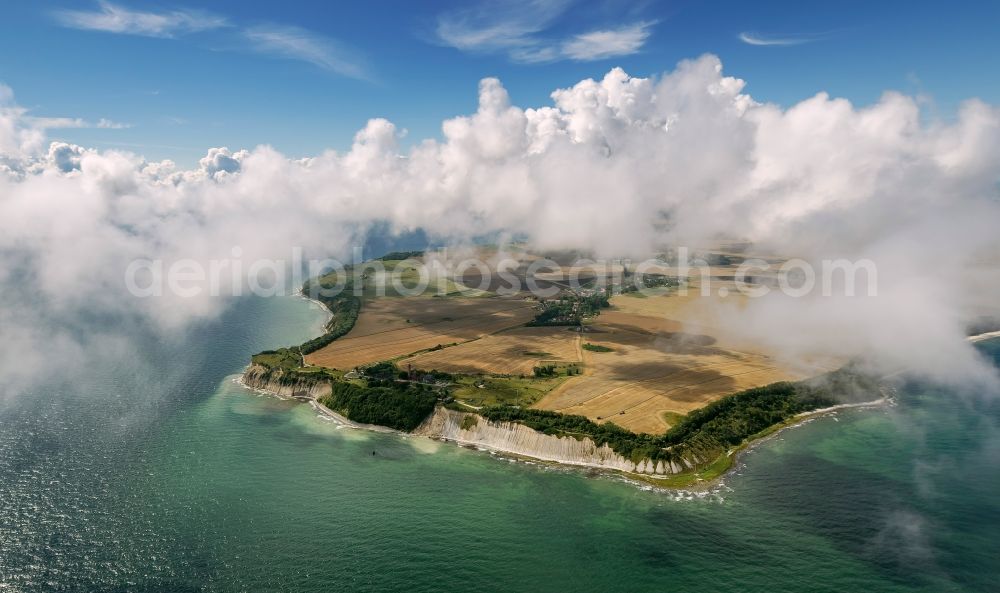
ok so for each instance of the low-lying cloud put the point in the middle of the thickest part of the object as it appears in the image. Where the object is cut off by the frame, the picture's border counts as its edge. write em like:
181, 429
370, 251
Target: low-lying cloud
621, 166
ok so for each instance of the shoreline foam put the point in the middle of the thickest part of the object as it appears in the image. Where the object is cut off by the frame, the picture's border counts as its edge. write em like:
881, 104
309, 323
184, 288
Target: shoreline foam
326, 310
983, 336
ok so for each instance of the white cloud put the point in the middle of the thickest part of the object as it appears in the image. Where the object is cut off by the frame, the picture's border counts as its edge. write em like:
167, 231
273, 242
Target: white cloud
499, 27
111, 18
220, 162
111, 125
49, 123
46, 123
65, 157
298, 44
517, 29
757, 39
18, 136
599, 45
274, 40
620, 165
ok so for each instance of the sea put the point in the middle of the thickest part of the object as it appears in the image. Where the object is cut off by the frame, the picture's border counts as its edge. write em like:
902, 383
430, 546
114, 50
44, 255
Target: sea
155, 471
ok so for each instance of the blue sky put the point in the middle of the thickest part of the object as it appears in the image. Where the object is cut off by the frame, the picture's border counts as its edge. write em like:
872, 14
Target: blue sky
304, 76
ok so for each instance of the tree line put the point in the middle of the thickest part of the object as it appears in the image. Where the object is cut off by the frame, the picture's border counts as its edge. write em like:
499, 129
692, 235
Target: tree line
707, 432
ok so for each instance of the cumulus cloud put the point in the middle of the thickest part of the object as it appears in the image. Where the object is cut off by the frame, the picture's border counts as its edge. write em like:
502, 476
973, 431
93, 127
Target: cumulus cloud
622, 166
18, 136
64, 157
22, 138
220, 161
518, 30
112, 18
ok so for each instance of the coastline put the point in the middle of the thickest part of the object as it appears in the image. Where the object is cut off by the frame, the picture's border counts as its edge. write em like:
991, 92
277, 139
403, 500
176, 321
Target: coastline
716, 472
704, 479
688, 469
984, 336
347, 422
324, 308
798, 420
875, 403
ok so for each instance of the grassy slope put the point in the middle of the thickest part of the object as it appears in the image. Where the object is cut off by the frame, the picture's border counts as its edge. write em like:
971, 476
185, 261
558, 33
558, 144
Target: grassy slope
503, 390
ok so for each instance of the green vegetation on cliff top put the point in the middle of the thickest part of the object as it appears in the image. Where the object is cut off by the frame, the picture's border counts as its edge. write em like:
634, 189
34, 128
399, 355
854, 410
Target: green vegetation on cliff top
700, 437
402, 406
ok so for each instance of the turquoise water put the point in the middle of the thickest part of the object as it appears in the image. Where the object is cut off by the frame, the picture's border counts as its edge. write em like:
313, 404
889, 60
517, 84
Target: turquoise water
163, 475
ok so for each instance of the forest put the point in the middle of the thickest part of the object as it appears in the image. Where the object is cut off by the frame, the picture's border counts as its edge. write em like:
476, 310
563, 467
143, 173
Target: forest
402, 406
343, 306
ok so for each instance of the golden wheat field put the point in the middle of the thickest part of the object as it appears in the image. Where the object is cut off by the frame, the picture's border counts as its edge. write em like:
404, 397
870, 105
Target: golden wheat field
665, 359
511, 352
391, 327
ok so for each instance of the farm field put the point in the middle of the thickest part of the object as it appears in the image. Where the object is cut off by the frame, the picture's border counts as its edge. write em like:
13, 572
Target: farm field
490, 391
391, 327
659, 367
666, 310
511, 352
646, 361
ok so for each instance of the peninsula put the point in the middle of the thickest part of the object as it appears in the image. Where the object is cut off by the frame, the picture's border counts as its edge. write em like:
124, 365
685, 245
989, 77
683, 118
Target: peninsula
602, 370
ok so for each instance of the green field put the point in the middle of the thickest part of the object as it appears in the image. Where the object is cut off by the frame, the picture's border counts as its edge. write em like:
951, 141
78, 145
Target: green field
284, 358
514, 391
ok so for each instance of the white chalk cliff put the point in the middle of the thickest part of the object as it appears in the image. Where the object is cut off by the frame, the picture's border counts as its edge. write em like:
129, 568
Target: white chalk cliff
471, 429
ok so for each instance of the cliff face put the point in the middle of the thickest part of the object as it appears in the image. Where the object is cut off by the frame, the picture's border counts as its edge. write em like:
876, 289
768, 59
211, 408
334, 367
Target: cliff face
471, 429
274, 381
